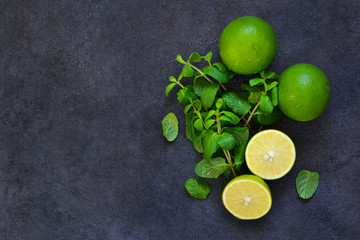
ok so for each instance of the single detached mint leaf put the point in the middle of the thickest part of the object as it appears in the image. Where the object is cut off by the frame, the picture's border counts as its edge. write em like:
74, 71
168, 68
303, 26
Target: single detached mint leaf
208, 57
169, 88
234, 118
195, 57
274, 96
179, 59
265, 104
170, 127
307, 183
197, 188
187, 70
210, 144
211, 168
272, 85
239, 105
199, 84
262, 118
226, 141
208, 94
186, 94
256, 81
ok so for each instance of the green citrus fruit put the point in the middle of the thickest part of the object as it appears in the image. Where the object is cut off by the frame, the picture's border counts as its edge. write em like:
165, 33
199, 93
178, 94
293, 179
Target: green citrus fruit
247, 45
304, 92
247, 197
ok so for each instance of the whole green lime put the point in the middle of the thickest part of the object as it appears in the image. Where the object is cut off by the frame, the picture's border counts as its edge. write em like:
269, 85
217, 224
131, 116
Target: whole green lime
247, 45
304, 92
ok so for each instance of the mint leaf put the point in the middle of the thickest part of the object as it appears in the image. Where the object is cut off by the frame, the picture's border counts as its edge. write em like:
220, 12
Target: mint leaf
197, 188
194, 57
198, 146
211, 168
221, 67
265, 104
239, 105
172, 79
248, 88
198, 125
169, 88
307, 183
256, 81
226, 141
210, 143
262, 118
209, 123
186, 94
170, 127
220, 76
241, 134
269, 75
210, 114
272, 85
234, 119
208, 57
187, 70
208, 94
190, 130
219, 103
187, 108
274, 96
199, 84
254, 97
179, 59
239, 156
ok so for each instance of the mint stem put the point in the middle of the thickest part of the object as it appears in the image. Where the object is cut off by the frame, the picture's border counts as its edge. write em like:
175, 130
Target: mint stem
251, 114
206, 77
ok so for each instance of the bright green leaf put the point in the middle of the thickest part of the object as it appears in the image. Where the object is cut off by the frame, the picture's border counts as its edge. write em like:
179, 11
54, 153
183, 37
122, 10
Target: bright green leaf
307, 183
186, 94
272, 85
256, 81
198, 146
190, 130
269, 75
265, 104
209, 123
226, 141
234, 118
222, 77
170, 127
239, 105
219, 103
274, 96
208, 94
211, 168
179, 59
199, 84
169, 88
187, 108
187, 70
210, 114
248, 88
172, 79
198, 125
210, 143
221, 67
208, 57
195, 57
226, 118
262, 118
241, 134
197, 188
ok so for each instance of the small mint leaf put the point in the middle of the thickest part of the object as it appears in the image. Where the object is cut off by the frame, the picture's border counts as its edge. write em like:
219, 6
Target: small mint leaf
210, 144
248, 88
269, 75
187, 70
265, 104
187, 108
198, 125
234, 118
237, 104
197, 188
219, 103
179, 59
169, 88
256, 81
199, 84
221, 67
209, 123
194, 57
208, 57
186, 94
254, 97
274, 96
272, 85
307, 183
208, 94
226, 141
239, 156
172, 79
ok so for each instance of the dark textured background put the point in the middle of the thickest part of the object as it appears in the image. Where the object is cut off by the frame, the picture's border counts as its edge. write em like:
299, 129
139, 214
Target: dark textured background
82, 154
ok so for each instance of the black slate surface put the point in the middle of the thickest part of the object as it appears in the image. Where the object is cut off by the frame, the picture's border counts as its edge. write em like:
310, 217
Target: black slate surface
82, 154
